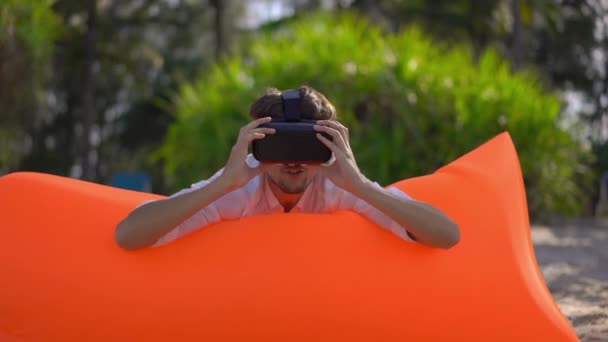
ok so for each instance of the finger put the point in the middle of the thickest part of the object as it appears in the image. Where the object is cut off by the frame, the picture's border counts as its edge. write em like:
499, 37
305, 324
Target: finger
245, 130
338, 139
263, 130
253, 124
245, 140
255, 136
338, 153
343, 133
257, 122
330, 162
337, 126
254, 133
330, 123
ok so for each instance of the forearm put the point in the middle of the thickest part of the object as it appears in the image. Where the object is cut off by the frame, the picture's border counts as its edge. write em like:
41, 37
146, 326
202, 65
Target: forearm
151, 221
426, 223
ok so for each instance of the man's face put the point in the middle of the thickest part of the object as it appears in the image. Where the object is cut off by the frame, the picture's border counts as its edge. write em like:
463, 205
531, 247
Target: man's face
291, 178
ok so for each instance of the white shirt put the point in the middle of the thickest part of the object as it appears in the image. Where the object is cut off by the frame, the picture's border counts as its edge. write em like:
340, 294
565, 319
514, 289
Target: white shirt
256, 197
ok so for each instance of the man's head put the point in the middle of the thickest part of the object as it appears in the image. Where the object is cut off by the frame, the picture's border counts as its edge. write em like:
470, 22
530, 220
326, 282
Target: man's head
294, 178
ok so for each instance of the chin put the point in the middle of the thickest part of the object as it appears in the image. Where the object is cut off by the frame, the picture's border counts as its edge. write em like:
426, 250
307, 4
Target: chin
292, 189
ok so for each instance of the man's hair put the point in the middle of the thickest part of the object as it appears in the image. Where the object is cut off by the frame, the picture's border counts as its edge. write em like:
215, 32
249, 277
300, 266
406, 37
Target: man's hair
314, 105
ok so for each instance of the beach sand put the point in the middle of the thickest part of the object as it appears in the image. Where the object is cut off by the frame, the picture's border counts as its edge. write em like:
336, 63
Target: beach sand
573, 258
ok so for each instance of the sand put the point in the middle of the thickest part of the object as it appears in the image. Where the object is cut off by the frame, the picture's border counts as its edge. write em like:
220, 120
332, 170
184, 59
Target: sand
573, 258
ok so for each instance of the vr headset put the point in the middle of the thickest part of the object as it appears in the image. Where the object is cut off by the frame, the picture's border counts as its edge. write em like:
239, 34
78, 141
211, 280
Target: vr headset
294, 140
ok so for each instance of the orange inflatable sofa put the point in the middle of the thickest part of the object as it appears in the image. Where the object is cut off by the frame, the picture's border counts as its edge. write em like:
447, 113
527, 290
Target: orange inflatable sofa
282, 277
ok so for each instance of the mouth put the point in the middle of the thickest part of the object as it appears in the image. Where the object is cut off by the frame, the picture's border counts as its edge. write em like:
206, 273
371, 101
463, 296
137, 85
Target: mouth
293, 170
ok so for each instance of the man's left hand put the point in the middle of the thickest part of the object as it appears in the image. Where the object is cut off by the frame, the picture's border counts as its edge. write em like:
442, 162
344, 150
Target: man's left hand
344, 171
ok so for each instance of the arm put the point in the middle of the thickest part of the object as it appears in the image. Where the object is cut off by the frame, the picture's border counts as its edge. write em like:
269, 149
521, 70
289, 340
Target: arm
427, 224
146, 224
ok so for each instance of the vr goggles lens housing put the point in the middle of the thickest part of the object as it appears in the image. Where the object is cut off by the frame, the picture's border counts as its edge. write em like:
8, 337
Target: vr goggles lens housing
294, 140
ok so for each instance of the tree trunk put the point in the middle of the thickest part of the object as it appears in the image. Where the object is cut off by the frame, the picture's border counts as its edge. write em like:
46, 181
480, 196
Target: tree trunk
88, 90
219, 28
373, 11
517, 46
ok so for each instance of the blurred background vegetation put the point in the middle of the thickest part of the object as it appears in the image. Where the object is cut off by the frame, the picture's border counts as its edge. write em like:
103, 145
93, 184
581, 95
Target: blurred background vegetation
95, 88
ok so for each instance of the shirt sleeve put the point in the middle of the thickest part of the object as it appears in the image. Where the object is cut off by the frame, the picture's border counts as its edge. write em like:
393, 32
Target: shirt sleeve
227, 207
344, 200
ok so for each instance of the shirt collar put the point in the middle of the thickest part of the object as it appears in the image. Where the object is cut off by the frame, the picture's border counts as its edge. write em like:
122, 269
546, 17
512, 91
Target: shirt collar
271, 201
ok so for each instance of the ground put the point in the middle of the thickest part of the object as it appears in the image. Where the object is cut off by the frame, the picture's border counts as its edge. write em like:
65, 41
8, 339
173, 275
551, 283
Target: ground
573, 258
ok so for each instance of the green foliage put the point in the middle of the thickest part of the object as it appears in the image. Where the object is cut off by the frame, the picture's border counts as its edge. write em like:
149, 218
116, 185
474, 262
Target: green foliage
32, 23
28, 29
411, 105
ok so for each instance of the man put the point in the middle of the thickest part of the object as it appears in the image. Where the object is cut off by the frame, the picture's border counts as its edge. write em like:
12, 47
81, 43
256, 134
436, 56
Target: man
246, 187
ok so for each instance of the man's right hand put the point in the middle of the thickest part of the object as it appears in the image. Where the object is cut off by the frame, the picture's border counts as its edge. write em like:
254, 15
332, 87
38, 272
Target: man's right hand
146, 224
236, 172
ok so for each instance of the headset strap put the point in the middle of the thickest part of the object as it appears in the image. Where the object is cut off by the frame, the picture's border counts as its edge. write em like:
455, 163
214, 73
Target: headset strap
292, 105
